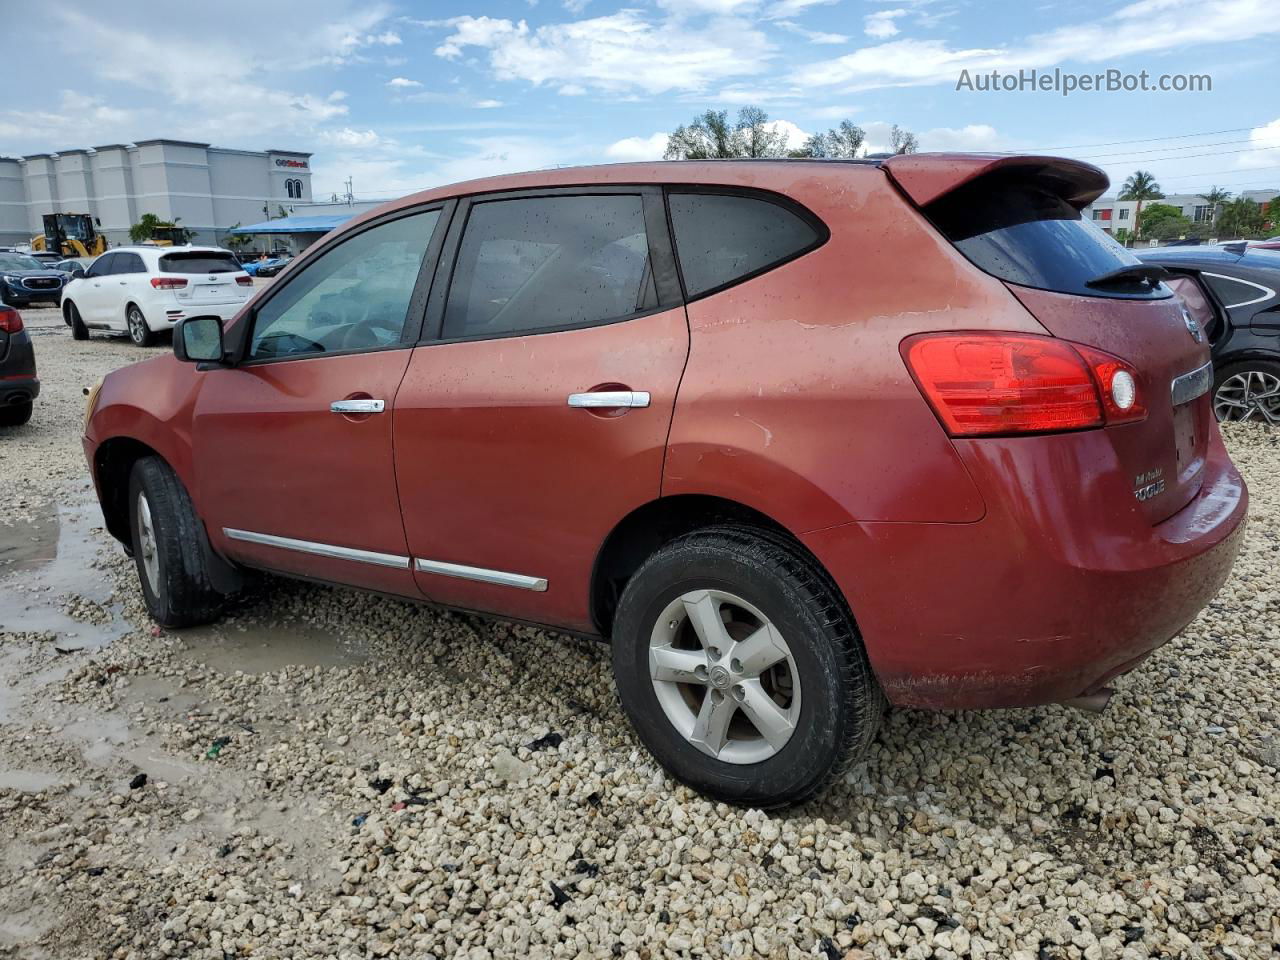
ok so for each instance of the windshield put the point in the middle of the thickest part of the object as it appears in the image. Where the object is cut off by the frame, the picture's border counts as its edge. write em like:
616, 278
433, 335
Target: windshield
1024, 233
17, 261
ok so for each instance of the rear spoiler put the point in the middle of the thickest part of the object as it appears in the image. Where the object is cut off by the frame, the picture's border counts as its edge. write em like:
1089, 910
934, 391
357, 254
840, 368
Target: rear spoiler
924, 177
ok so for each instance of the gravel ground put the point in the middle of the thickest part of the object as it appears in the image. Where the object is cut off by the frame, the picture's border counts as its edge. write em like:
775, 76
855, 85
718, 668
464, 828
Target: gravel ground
330, 774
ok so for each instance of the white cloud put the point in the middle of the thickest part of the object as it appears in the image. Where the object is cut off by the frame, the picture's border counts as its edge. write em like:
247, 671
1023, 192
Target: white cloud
637, 148
487, 104
714, 7
625, 52
403, 83
835, 112
813, 36
880, 24
1144, 26
347, 137
795, 137
789, 8
978, 137
1264, 147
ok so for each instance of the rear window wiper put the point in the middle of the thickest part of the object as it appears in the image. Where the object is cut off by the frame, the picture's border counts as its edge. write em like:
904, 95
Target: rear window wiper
1150, 272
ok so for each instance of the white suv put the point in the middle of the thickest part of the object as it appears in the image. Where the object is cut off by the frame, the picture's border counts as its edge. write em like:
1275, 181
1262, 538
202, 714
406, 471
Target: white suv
144, 290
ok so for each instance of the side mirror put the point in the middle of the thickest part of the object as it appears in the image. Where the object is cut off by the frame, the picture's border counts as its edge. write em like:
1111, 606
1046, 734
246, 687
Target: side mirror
198, 340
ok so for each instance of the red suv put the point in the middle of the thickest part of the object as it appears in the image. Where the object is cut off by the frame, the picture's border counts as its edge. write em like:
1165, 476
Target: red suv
795, 435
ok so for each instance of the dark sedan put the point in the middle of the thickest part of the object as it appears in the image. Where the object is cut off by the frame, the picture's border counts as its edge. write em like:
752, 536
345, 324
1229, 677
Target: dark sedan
1231, 294
18, 384
25, 280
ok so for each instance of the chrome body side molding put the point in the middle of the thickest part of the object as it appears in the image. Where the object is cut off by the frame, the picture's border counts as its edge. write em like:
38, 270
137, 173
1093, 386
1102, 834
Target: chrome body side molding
319, 549
499, 577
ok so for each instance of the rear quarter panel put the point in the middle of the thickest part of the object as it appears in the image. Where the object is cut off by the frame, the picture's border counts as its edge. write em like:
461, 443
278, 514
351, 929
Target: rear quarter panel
796, 401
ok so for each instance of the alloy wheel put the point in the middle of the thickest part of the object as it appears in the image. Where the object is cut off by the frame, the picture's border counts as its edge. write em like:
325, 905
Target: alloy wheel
147, 544
137, 326
724, 676
1249, 395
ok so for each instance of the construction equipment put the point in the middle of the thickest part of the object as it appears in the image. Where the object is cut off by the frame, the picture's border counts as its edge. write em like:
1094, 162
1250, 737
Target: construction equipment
70, 234
168, 235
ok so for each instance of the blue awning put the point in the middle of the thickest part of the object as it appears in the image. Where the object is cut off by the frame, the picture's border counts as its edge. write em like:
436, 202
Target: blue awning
297, 225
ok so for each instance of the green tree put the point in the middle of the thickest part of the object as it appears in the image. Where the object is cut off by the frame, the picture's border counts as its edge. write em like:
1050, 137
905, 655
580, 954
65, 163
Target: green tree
1156, 214
1241, 218
1141, 186
145, 227
712, 136
843, 142
902, 141
236, 241
1215, 197
1168, 228
1122, 236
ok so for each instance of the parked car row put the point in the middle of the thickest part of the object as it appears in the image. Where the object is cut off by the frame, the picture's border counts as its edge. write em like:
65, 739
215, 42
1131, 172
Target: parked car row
796, 436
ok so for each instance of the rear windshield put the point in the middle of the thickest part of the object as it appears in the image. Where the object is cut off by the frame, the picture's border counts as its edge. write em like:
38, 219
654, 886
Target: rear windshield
1028, 235
199, 263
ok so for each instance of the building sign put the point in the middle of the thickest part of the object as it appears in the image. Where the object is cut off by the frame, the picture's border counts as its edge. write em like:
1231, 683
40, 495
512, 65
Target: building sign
292, 163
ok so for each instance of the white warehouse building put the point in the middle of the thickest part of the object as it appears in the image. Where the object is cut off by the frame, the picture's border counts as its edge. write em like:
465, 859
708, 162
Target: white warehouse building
204, 188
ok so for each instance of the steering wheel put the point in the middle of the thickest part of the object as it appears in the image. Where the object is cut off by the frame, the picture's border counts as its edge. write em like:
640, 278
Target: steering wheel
364, 332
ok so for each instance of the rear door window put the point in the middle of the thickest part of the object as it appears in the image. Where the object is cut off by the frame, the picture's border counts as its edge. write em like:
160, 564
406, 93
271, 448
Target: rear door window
723, 238
531, 264
127, 263
199, 263
1024, 233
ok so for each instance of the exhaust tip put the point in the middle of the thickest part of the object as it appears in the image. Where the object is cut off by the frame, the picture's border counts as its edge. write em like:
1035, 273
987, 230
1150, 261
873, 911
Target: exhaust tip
1094, 702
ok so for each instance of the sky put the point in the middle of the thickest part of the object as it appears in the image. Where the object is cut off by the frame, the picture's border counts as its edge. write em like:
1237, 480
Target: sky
405, 96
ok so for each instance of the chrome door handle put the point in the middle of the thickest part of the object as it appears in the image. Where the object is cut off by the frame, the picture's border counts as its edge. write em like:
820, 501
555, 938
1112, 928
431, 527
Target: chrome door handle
610, 398
357, 406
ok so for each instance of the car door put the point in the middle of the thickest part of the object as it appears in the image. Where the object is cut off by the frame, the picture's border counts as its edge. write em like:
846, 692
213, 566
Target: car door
91, 296
292, 444
535, 416
127, 273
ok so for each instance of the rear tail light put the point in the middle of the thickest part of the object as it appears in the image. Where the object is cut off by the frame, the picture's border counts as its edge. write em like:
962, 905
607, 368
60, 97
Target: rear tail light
1000, 383
168, 283
245, 281
10, 321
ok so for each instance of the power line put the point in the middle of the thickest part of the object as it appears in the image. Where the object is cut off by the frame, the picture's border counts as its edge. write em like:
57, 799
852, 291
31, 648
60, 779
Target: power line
1190, 146
1118, 143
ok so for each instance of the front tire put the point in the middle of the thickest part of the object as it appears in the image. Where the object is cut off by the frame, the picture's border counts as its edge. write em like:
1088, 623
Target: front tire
167, 548
1247, 390
78, 330
15, 414
741, 669
139, 332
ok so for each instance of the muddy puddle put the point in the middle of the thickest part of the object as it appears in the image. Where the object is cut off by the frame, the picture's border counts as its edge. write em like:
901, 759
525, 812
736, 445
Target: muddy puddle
250, 647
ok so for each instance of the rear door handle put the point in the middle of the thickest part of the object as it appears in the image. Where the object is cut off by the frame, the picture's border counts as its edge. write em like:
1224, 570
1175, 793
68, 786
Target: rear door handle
357, 406
610, 398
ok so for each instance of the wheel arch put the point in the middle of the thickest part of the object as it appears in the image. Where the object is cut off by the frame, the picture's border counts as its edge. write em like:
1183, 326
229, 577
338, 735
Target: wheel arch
648, 527
112, 463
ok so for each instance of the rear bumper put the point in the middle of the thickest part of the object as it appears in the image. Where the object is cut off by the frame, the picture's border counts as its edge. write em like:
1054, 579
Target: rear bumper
168, 316
1061, 586
18, 390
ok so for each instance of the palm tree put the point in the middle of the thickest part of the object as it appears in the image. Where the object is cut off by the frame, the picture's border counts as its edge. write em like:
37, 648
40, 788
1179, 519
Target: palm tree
1140, 186
1214, 197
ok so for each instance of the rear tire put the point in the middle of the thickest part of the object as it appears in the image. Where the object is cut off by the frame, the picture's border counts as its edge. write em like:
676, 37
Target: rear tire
1247, 390
78, 330
139, 332
15, 414
823, 703
167, 548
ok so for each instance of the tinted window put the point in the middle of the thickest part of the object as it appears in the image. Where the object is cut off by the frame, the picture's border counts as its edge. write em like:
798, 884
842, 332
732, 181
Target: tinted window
547, 262
127, 263
721, 238
102, 266
352, 297
1028, 235
1233, 293
199, 263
